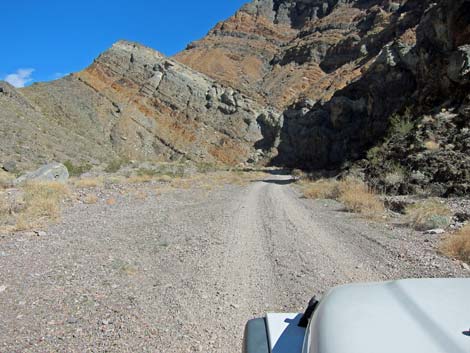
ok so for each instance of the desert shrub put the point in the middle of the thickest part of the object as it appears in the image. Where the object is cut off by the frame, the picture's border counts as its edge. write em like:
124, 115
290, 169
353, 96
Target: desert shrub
396, 173
77, 170
394, 178
89, 182
355, 195
374, 155
358, 197
298, 174
401, 124
111, 201
205, 167
115, 179
429, 214
6, 179
4, 207
42, 201
90, 199
114, 165
322, 189
147, 172
137, 179
431, 145
457, 245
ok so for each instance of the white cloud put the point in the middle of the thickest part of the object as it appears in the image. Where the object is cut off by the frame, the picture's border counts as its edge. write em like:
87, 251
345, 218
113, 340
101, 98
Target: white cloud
58, 75
20, 78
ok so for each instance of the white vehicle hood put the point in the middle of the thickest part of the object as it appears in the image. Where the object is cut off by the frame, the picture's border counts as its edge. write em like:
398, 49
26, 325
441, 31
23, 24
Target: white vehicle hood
407, 316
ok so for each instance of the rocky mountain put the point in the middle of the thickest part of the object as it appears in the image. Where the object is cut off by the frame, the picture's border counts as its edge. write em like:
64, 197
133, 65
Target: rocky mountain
277, 51
404, 121
380, 87
133, 103
375, 87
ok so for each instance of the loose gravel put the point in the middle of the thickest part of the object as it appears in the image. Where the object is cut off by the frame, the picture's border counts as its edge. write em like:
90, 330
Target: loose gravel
183, 270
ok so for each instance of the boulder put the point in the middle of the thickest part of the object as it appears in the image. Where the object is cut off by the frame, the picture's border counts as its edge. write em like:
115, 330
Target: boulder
9, 166
49, 172
459, 65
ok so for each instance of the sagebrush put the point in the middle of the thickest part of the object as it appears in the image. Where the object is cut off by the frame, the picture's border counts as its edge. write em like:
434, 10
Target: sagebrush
457, 245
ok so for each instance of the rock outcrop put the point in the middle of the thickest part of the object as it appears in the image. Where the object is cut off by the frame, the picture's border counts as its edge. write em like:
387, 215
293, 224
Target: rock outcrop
49, 172
404, 121
279, 50
134, 103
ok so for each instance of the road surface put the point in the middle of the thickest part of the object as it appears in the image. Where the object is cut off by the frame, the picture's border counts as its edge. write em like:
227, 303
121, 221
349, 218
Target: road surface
183, 271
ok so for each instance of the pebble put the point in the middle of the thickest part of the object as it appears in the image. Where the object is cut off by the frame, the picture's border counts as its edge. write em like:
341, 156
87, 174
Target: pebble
435, 231
40, 233
3, 289
465, 266
72, 320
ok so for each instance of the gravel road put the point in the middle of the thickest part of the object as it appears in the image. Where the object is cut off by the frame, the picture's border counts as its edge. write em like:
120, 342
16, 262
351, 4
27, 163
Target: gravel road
184, 270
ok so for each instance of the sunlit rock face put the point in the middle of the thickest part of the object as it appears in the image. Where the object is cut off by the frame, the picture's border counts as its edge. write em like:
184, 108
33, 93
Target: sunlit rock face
137, 104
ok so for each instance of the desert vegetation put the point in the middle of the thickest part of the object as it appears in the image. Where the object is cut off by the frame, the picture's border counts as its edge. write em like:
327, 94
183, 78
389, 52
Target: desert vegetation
34, 204
428, 214
353, 193
457, 245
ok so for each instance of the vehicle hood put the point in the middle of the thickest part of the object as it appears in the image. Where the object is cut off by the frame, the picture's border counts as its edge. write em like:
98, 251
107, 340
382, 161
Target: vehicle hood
415, 316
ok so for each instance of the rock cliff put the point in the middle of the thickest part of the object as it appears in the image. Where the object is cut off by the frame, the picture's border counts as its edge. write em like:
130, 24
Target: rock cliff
278, 51
404, 121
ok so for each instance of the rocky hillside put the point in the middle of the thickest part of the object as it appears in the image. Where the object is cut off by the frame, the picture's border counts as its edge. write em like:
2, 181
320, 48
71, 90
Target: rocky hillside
378, 87
280, 50
133, 103
404, 121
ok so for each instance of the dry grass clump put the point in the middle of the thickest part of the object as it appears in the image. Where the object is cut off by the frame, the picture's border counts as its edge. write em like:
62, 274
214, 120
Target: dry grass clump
235, 177
139, 179
431, 145
457, 245
111, 201
115, 179
355, 195
44, 198
358, 197
429, 214
90, 199
4, 207
140, 195
322, 189
89, 182
298, 174
42, 202
6, 179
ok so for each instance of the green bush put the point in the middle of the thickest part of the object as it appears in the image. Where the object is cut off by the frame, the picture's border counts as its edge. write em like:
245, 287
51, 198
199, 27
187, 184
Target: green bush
77, 170
114, 165
205, 167
401, 124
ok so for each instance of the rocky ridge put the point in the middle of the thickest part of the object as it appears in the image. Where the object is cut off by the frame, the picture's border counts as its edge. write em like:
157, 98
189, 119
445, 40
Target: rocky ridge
135, 103
404, 123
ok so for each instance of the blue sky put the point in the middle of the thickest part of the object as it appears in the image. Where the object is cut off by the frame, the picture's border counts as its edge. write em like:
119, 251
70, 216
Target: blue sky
45, 39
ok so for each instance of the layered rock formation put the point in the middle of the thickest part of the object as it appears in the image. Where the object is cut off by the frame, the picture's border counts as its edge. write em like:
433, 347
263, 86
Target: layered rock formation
134, 103
278, 51
410, 105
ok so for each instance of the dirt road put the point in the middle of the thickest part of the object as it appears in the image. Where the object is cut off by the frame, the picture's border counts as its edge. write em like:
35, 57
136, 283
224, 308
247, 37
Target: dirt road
184, 270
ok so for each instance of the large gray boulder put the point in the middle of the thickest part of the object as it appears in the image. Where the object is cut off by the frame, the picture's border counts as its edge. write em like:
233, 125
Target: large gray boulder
49, 172
459, 65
